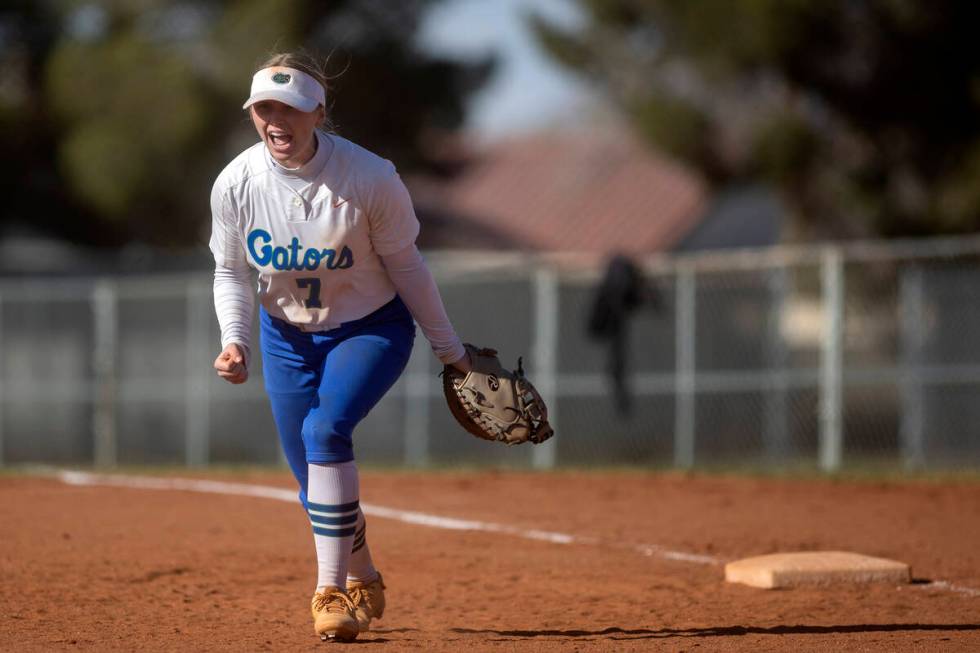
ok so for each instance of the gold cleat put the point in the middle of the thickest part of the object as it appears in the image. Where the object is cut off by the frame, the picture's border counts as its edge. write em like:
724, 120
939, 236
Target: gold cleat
333, 615
368, 600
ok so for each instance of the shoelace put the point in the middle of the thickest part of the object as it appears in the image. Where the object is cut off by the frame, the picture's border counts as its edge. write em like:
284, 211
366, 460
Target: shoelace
357, 596
333, 602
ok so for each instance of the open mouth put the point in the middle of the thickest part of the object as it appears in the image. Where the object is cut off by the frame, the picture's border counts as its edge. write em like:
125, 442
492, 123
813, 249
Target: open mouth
280, 139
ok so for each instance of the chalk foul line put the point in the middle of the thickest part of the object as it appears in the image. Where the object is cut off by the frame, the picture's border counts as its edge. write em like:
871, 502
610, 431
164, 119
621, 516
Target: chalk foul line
417, 518
950, 587
372, 510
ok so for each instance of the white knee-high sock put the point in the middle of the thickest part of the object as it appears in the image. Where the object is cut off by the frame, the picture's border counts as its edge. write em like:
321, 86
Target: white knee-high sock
361, 569
332, 494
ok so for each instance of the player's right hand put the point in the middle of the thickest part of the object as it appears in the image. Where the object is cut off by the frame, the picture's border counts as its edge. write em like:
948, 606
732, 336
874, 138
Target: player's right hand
230, 364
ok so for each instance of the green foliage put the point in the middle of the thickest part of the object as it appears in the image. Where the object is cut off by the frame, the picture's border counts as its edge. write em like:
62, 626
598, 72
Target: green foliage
119, 114
959, 194
736, 34
129, 110
862, 112
678, 127
784, 148
104, 167
246, 32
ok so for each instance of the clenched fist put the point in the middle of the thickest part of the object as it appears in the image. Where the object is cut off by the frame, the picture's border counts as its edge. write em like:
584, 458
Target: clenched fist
230, 364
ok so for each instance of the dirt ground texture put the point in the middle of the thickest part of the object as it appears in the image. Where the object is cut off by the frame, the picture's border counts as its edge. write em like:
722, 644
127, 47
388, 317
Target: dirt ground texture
109, 568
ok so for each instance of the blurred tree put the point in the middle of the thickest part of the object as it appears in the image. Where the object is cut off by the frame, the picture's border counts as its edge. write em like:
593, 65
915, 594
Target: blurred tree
118, 114
864, 113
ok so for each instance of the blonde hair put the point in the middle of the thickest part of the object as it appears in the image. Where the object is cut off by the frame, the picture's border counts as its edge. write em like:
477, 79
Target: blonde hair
309, 64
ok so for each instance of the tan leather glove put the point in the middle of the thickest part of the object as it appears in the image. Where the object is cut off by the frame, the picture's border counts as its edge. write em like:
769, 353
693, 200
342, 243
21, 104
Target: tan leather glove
493, 403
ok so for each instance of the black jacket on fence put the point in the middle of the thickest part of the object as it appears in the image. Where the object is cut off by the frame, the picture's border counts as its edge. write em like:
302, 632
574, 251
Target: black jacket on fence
620, 293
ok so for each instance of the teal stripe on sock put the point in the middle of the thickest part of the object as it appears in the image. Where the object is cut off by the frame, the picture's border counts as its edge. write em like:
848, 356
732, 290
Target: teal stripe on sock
324, 507
334, 532
334, 521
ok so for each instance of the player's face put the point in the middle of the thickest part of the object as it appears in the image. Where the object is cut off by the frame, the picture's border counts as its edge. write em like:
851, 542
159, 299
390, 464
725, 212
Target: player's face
286, 131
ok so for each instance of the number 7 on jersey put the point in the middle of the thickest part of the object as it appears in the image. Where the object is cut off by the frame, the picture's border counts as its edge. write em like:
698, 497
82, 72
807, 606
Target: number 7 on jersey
313, 301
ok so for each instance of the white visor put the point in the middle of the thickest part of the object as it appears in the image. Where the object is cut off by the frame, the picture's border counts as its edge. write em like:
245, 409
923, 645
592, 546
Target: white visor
287, 85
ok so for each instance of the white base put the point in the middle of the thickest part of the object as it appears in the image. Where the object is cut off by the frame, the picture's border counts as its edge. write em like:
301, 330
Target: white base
780, 570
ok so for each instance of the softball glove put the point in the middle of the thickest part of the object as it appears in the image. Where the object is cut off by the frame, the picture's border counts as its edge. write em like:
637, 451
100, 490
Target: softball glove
493, 403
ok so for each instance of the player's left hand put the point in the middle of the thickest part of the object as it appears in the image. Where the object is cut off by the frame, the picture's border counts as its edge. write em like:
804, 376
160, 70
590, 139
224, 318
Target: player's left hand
494, 403
464, 364
230, 364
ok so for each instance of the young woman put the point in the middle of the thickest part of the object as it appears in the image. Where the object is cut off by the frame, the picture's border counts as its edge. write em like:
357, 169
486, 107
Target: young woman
331, 231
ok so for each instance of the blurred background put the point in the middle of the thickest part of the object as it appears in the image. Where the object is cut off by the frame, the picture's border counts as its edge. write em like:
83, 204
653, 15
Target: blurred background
722, 234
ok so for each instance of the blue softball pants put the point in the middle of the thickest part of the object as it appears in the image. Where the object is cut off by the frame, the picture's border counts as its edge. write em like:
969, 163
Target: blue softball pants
322, 384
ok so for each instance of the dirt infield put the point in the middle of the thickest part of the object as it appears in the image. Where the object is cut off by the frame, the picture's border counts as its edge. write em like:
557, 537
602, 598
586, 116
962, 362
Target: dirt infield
111, 568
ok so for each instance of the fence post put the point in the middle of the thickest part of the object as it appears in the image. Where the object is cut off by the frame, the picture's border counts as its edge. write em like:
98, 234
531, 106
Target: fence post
776, 433
546, 357
832, 360
105, 314
417, 405
685, 364
197, 404
911, 315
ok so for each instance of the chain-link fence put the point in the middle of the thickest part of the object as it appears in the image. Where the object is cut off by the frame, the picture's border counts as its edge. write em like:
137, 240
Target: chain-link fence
836, 356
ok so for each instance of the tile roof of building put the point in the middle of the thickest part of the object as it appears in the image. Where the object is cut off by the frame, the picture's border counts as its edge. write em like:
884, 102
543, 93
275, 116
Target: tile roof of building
568, 192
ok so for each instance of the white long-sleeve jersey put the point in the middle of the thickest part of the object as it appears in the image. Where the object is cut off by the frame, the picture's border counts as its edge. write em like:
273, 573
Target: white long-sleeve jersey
331, 242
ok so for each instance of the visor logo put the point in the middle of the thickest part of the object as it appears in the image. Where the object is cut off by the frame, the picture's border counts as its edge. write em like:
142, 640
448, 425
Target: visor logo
281, 78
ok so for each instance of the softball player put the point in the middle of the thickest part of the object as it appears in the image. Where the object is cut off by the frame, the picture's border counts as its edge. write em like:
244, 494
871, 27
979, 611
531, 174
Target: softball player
330, 229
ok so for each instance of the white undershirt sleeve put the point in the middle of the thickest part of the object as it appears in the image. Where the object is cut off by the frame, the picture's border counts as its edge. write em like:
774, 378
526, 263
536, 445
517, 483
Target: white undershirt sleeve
418, 290
234, 294
390, 214
234, 303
